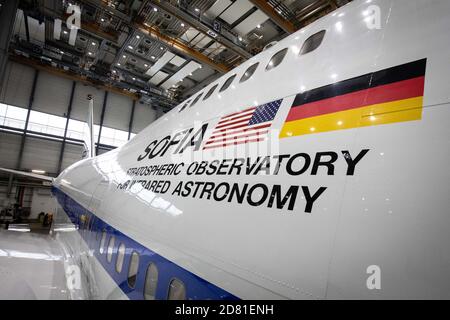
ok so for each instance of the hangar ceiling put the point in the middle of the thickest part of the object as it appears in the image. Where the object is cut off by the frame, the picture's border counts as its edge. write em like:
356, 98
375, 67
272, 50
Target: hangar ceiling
157, 52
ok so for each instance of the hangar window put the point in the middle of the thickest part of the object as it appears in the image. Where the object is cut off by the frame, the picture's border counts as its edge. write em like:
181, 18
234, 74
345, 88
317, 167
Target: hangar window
227, 83
120, 258
210, 92
46, 123
78, 130
177, 290
276, 59
151, 281
133, 269
312, 43
109, 254
196, 99
102, 242
184, 106
249, 72
12, 116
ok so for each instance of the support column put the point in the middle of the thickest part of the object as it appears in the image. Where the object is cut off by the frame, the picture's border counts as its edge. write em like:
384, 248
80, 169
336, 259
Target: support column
105, 99
69, 111
7, 20
130, 126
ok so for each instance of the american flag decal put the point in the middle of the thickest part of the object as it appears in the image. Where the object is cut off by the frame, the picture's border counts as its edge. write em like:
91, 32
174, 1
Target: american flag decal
249, 125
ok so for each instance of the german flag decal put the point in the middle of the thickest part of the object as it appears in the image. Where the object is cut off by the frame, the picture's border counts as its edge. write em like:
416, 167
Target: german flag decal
386, 96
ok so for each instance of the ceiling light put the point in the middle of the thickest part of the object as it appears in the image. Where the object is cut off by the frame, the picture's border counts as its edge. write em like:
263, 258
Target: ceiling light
145, 65
103, 20
124, 56
182, 24
118, 64
240, 38
114, 71
65, 32
258, 26
130, 47
93, 43
197, 9
137, 36
133, 78
162, 48
38, 171
153, 57
90, 53
62, 52
155, 9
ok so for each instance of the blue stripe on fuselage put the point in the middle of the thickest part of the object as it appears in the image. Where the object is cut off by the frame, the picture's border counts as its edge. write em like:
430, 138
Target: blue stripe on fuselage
196, 287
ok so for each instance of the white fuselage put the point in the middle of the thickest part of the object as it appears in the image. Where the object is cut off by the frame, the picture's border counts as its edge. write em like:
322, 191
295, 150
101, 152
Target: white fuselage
388, 218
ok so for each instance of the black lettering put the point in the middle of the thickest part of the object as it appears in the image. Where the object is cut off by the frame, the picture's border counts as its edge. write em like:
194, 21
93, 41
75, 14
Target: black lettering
227, 190
351, 164
207, 188
147, 151
326, 163
165, 141
276, 196
237, 166
235, 191
305, 167
310, 199
263, 197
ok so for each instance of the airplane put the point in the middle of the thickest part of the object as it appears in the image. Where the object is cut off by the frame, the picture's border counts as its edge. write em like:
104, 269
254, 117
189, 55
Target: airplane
317, 169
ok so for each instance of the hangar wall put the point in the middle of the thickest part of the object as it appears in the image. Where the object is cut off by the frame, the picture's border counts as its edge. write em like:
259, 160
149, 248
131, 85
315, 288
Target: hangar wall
44, 144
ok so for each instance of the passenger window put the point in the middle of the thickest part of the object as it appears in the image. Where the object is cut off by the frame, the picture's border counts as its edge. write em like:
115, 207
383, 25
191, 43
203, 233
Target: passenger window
312, 43
151, 281
109, 254
249, 72
177, 291
102, 243
276, 59
210, 92
196, 99
184, 106
227, 83
133, 269
120, 258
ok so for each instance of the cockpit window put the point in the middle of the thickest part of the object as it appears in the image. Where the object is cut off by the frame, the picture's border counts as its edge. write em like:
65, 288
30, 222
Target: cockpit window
227, 83
210, 92
276, 59
249, 72
312, 43
196, 99
184, 106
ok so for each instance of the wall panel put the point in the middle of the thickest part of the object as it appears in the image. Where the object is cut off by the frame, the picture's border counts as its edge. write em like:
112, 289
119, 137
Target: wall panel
41, 154
143, 116
52, 94
118, 111
80, 102
18, 81
9, 149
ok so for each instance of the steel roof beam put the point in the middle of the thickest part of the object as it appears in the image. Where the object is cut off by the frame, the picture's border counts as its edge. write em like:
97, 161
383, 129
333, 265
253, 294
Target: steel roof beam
265, 7
180, 47
202, 27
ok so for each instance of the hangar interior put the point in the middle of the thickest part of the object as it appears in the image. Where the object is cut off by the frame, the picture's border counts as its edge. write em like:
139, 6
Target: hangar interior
137, 58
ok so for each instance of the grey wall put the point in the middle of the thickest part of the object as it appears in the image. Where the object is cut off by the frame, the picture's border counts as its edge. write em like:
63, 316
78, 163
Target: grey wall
52, 95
